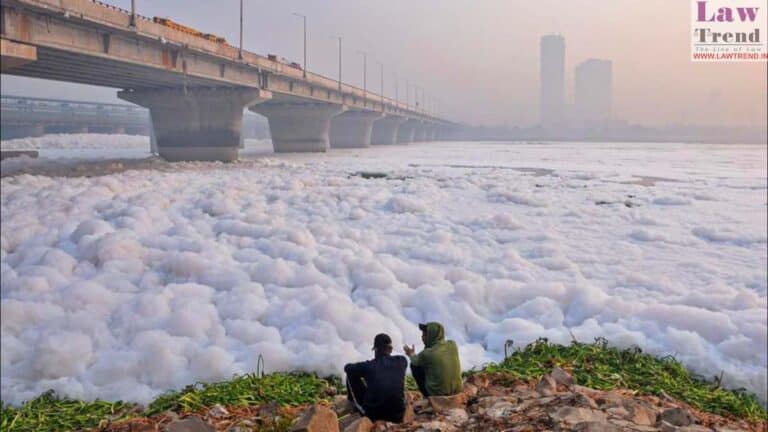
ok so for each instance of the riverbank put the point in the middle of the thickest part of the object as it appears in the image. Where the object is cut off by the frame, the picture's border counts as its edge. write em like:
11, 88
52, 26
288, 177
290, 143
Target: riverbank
598, 370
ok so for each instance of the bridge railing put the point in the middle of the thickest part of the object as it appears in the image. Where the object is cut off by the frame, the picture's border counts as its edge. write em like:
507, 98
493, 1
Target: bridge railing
110, 15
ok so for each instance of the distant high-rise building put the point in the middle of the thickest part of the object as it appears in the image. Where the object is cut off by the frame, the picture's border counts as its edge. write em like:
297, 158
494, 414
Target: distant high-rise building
552, 96
593, 93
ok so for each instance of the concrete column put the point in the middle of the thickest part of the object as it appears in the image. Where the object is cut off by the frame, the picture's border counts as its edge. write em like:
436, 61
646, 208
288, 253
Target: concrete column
201, 124
385, 129
299, 127
406, 131
420, 133
352, 129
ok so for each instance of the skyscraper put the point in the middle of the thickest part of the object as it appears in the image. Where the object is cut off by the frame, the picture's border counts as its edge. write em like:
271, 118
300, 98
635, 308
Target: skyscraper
593, 93
552, 96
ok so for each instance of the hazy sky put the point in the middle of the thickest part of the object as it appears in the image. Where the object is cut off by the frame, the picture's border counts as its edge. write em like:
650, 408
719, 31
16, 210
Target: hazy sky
480, 57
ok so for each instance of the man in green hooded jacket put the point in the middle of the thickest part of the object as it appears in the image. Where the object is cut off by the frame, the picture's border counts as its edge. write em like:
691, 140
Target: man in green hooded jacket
436, 369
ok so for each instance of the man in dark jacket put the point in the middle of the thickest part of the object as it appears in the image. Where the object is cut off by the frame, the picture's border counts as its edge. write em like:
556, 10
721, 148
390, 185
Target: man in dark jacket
436, 369
377, 387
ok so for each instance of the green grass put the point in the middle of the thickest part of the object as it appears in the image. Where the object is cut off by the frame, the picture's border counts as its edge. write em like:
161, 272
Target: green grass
287, 389
48, 412
602, 367
593, 365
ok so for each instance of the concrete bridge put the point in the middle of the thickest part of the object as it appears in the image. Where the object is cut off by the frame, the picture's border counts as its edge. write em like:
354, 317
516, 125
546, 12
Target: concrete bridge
28, 116
197, 88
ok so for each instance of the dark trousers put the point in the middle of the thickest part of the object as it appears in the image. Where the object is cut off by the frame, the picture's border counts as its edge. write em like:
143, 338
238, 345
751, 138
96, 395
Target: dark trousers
420, 376
391, 411
356, 393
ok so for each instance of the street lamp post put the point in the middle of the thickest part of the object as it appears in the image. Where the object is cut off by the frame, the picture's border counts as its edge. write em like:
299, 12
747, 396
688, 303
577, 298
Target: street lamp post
339, 37
365, 76
304, 17
397, 97
240, 50
133, 13
381, 70
407, 94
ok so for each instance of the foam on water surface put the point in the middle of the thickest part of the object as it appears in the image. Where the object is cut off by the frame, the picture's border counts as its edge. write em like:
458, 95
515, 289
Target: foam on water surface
126, 285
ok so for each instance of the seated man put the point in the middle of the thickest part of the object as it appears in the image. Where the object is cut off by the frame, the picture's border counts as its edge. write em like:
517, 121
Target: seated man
377, 387
436, 369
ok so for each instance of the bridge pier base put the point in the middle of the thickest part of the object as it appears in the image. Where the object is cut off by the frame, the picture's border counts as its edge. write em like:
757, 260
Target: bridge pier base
420, 133
385, 130
407, 131
299, 127
199, 124
352, 129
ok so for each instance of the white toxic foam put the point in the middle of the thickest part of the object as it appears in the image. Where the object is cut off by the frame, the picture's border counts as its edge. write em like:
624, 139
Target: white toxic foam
126, 285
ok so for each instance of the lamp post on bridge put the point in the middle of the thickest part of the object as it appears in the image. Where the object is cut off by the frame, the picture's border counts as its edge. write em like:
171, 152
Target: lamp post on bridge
240, 47
407, 94
365, 76
304, 17
381, 69
133, 13
339, 38
397, 84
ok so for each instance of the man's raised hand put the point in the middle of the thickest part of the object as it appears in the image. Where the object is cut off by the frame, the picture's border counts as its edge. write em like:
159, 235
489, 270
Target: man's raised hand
409, 350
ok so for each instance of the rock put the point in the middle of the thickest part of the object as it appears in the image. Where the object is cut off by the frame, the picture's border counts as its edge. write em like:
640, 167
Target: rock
562, 377
342, 406
317, 418
694, 428
641, 428
420, 405
409, 415
218, 411
444, 403
528, 394
362, 424
617, 412
596, 427
641, 413
190, 424
381, 426
547, 386
479, 381
609, 399
573, 415
582, 400
456, 416
500, 410
667, 427
436, 426
587, 391
676, 416
172, 416
348, 420
470, 390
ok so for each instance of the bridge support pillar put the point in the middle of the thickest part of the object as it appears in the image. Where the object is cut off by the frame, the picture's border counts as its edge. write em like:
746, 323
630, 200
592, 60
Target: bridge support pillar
406, 132
420, 133
299, 127
197, 125
385, 129
352, 129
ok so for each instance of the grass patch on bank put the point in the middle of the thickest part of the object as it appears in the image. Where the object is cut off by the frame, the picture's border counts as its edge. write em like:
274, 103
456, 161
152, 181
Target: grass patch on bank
599, 366
48, 412
595, 365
